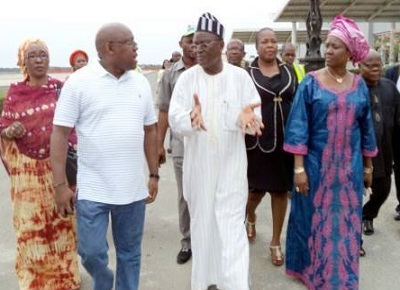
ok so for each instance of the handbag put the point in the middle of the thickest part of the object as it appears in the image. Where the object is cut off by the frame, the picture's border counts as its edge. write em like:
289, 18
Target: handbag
71, 167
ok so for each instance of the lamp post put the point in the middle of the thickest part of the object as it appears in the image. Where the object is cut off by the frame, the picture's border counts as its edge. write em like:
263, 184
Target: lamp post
313, 59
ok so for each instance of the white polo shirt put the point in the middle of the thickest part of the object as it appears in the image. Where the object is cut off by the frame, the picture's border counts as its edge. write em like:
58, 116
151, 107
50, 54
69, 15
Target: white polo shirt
109, 116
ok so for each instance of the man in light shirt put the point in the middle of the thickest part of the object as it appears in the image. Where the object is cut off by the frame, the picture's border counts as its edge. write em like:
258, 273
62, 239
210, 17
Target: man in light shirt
167, 85
235, 52
111, 107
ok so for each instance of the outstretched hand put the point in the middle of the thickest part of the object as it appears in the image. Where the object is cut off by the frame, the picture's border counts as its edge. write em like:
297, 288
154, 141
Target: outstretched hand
195, 116
249, 121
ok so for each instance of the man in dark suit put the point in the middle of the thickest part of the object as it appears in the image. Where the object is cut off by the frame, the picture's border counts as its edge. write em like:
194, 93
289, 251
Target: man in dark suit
393, 74
385, 107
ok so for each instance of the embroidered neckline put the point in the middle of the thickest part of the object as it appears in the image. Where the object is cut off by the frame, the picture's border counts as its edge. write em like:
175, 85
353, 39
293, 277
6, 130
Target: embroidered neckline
339, 80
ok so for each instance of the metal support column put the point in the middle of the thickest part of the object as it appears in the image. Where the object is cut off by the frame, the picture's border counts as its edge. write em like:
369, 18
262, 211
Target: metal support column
313, 59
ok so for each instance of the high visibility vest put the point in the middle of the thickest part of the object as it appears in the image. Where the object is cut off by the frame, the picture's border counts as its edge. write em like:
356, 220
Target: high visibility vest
300, 71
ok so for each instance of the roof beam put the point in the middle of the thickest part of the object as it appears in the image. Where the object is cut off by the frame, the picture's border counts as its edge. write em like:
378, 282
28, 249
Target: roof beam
350, 6
359, 10
380, 10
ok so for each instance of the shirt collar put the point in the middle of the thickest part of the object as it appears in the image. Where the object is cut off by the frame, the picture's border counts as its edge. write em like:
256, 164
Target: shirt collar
102, 72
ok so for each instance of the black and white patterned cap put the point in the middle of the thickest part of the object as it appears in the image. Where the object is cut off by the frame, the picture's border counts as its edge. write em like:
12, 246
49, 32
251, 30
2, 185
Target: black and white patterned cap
209, 23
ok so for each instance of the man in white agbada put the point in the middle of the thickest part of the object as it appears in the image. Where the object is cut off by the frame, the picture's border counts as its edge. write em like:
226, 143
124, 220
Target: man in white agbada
213, 104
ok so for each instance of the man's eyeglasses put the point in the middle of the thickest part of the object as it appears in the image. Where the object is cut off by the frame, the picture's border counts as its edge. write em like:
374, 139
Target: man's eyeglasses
372, 65
33, 56
127, 42
199, 46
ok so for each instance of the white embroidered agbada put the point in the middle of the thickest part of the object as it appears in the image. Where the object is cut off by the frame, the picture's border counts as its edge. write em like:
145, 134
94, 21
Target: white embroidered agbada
215, 173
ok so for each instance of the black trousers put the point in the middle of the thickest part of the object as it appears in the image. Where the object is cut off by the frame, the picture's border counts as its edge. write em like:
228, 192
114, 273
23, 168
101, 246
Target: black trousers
380, 192
396, 167
397, 183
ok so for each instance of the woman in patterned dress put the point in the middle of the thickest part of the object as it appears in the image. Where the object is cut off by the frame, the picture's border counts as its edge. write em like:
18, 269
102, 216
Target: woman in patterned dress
331, 134
46, 242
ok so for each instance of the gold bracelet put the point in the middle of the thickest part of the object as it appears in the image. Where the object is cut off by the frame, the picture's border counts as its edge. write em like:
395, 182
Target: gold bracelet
55, 186
298, 170
368, 170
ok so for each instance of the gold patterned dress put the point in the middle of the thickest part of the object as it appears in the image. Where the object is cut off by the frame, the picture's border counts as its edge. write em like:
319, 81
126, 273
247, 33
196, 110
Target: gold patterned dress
46, 242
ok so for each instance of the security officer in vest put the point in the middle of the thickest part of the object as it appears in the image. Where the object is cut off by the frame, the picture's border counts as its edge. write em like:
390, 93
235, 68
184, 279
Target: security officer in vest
288, 55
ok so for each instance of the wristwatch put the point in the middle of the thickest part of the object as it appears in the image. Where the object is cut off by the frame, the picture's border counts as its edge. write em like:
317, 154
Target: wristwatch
154, 175
298, 170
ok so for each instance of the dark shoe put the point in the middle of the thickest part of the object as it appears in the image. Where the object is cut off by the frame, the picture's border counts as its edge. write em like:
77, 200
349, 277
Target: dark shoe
184, 256
368, 227
397, 216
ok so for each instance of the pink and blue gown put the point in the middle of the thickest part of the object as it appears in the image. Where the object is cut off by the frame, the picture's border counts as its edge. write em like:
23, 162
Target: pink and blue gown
333, 131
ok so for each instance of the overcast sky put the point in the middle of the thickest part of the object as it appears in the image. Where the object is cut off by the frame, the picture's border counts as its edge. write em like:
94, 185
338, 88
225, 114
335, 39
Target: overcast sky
156, 25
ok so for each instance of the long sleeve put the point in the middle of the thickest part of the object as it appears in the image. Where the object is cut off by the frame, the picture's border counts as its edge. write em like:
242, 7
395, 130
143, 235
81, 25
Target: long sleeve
297, 126
180, 107
368, 140
397, 106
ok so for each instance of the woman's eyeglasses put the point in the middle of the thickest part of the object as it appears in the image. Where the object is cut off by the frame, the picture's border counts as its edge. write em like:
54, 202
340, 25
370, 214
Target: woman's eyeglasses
33, 56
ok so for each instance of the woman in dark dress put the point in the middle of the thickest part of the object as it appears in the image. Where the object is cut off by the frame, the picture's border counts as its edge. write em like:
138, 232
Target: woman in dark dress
270, 169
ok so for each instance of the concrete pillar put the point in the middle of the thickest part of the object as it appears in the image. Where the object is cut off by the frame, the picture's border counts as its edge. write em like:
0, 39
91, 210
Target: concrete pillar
370, 34
294, 38
294, 33
391, 49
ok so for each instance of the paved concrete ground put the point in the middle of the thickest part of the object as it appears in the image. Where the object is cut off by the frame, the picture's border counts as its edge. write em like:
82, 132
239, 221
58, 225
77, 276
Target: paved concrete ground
380, 269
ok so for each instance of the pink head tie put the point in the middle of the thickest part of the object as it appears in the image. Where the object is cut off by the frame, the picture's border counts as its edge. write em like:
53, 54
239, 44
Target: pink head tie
347, 31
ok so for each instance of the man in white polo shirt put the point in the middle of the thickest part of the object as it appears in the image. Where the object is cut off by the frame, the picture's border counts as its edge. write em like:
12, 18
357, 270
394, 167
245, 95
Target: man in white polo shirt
112, 110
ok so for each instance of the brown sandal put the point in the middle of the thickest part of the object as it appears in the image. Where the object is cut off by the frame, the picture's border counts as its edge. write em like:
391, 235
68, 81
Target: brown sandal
277, 257
251, 230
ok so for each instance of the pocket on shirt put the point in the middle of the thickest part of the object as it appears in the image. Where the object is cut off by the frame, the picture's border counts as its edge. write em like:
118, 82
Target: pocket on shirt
230, 115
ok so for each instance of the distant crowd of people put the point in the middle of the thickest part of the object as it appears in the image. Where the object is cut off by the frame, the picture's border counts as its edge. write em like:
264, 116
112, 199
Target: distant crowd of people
316, 141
